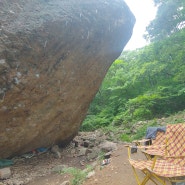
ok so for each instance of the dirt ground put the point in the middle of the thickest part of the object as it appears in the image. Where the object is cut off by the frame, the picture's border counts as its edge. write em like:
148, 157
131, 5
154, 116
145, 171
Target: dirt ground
38, 170
118, 172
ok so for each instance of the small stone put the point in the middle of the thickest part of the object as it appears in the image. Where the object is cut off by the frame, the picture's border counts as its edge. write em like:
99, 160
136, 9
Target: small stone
86, 144
59, 168
82, 163
73, 151
76, 143
66, 183
82, 151
5, 173
58, 155
107, 155
56, 150
108, 146
2, 61
90, 174
92, 155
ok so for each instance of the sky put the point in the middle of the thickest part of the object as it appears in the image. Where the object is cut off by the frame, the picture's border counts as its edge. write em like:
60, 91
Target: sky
144, 11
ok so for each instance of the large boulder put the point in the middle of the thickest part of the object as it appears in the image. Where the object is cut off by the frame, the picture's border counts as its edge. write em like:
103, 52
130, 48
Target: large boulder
54, 55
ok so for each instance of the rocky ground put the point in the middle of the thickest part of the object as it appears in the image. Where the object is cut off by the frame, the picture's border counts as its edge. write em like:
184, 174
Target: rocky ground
87, 149
33, 167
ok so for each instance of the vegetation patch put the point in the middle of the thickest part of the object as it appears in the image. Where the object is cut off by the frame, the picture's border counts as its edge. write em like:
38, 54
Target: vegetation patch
78, 175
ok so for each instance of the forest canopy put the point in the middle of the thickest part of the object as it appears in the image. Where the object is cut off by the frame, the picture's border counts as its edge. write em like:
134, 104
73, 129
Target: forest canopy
149, 82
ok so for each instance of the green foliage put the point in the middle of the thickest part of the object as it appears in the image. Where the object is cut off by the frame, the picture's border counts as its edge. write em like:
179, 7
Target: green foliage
125, 137
142, 113
93, 122
78, 175
146, 83
143, 84
126, 133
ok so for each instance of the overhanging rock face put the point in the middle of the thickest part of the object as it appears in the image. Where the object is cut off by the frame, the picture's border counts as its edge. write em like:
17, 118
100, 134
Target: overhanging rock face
54, 55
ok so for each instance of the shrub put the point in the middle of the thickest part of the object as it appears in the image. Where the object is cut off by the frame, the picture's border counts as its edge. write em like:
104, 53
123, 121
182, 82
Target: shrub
125, 137
142, 113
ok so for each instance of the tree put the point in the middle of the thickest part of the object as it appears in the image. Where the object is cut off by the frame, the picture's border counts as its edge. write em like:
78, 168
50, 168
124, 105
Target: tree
170, 18
143, 84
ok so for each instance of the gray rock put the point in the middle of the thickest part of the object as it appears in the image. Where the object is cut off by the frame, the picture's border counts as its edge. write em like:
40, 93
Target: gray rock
108, 146
90, 174
82, 151
56, 150
107, 155
53, 57
59, 168
94, 153
5, 173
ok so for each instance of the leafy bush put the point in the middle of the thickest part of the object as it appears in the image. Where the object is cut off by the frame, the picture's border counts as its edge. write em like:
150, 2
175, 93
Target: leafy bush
125, 137
93, 122
142, 113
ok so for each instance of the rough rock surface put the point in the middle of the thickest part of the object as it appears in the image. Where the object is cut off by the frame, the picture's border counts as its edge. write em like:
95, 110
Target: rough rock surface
53, 57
